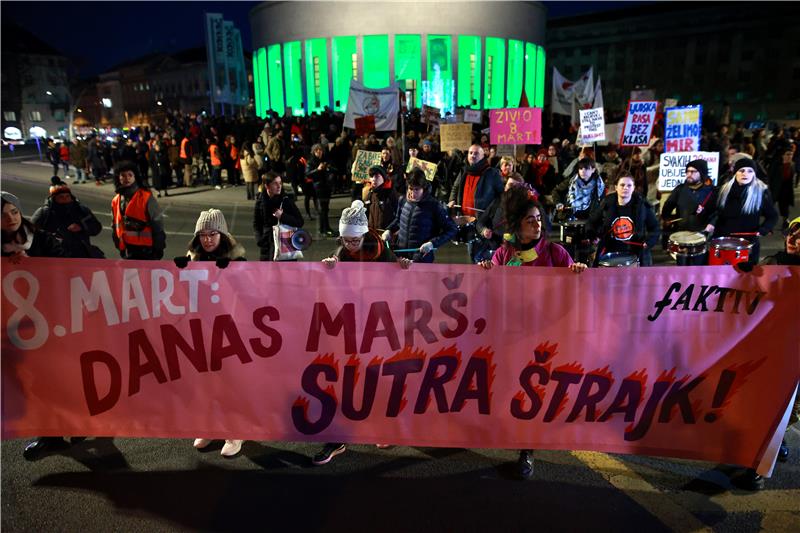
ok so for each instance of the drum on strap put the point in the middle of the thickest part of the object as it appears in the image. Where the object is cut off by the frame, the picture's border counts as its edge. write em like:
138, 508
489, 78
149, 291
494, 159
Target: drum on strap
618, 259
573, 231
688, 248
467, 232
729, 251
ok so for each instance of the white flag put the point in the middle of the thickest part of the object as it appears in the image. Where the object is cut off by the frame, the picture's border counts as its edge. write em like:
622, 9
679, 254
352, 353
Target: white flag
598, 94
584, 94
562, 95
384, 104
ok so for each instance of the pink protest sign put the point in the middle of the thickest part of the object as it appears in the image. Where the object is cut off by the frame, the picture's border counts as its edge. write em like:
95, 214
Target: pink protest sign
516, 126
696, 362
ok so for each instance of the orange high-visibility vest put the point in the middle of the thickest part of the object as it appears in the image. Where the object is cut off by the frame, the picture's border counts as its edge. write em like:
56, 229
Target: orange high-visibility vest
213, 151
184, 144
136, 209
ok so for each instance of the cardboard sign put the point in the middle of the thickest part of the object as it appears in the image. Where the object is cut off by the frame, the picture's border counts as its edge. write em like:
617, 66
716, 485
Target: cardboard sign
682, 128
436, 355
364, 160
593, 125
473, 115
517, 151
426, 166
365, 125
613, 133
458, 136
639, 120
672, 169
522, 125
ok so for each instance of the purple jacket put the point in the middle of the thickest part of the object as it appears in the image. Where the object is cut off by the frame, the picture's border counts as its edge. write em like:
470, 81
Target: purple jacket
549, 254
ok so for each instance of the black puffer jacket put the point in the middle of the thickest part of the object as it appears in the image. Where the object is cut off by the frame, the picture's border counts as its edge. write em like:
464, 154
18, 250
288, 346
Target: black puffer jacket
419, 222
264, 221
55, 218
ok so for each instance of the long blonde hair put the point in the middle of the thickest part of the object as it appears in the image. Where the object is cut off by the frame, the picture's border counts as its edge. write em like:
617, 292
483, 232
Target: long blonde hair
753, 195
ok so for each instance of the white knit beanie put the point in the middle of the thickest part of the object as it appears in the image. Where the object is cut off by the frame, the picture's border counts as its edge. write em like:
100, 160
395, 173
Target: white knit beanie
353, 222
211, 220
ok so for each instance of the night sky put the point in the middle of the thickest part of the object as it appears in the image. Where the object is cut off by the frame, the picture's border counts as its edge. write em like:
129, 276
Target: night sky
96, 36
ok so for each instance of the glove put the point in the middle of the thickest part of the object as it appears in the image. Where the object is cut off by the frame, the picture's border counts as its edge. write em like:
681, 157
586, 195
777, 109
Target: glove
386, 235
426, 248
181, 261
223, 262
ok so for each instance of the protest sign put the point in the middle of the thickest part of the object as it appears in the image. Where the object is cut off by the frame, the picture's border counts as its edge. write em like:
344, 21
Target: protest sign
437, 355
670, 102
458, 136
672, 169
521, 125
639, 120
516, 151
613, 133
472, 115
593, 125
682, 128
429, 115
643, 94
426, 166
383, 104
364, 160
365, 125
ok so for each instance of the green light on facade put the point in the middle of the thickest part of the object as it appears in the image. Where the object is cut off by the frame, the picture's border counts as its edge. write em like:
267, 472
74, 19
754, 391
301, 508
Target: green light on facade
530, 73
275, 78
345, 68
494, 84
516, 61
540, 59
440, 57
317, 75
256, 87
408, 62
293, 70
469, 71
263, 81
376, 61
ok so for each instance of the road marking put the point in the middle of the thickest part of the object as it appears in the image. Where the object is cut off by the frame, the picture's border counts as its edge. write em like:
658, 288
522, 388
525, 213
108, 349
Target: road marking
618, 474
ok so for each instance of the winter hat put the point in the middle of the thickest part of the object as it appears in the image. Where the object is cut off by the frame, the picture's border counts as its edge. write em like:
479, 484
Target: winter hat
699, 165
353, 222
58, 187
541, 151
11, 199
377, 169
745, 162
211, 220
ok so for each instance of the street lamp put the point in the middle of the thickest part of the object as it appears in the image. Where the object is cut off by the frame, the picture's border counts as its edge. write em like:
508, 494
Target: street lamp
48, 93
159, 103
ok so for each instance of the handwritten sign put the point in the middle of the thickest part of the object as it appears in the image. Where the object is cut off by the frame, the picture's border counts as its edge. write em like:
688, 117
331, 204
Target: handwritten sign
458, 136
593, 125
682, 128
639, 120
437, 355
473, 116
516, 126
426, 166
430, 115
363, 162
672, 169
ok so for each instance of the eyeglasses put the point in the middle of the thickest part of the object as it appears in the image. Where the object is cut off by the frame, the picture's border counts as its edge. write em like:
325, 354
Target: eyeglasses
208, 234
352, 242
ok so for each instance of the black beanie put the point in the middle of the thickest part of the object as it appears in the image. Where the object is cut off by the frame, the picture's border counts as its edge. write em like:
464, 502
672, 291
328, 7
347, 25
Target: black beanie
699, 165
377, 169
745, 162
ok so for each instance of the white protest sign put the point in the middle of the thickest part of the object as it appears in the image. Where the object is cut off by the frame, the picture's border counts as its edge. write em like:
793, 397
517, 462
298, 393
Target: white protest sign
672, 170
639, 122
472, 115
593, 125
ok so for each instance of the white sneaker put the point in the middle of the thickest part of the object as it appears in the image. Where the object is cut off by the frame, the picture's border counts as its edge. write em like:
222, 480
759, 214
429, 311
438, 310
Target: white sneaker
217, 187
201, 443
231, 448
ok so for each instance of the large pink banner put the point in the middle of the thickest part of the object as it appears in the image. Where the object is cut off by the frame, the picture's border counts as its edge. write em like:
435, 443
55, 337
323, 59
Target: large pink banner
696, 362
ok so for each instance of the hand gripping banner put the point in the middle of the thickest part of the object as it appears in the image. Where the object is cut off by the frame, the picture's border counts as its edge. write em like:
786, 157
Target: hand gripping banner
698, 362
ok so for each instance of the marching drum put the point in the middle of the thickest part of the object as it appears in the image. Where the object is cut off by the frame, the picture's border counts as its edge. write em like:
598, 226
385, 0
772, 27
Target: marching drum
573, 231
688, 248
467, 232
729, 251
618, 259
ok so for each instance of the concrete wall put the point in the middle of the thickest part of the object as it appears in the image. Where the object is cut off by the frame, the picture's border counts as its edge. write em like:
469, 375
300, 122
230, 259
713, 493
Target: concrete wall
280, 22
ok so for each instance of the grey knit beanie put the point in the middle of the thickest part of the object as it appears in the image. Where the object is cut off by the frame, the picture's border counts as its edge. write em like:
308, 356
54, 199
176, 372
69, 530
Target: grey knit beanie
10, 198
353, 222
211, 220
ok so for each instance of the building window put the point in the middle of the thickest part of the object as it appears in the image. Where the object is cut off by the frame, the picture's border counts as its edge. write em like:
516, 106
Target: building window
35, 116
58, 114
9, 115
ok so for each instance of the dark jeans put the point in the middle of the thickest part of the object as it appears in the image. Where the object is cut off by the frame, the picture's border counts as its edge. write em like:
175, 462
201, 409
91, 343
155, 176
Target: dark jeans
324, 223
216, 176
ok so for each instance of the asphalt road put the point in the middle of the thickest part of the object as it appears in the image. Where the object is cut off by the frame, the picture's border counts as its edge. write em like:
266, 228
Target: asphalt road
103, 484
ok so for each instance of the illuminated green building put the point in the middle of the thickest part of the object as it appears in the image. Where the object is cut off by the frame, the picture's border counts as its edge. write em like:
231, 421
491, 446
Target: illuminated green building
454, 54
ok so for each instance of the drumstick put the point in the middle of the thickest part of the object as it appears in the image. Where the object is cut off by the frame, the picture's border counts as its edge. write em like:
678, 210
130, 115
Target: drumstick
674, 220
406, 250
635, 243
745, 234
473, 208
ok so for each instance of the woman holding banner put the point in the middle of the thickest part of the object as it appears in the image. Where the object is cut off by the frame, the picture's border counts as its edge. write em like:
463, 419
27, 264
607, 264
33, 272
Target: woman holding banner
742, 204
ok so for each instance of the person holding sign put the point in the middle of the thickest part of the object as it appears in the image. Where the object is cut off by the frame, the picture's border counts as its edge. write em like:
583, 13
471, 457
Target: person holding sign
692, 205
357, 243
742, 204
624, 222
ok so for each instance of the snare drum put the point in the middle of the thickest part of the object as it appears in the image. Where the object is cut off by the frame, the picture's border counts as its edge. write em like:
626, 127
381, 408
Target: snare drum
688, 248
618, 259
467, 232
573, 231
729, 251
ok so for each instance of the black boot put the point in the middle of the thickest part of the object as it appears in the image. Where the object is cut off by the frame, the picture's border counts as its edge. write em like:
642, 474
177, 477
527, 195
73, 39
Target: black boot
783, 452
751, 480
525, 464
40, 446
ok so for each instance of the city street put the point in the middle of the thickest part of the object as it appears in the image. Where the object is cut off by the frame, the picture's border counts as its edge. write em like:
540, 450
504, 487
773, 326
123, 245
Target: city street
127, 484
